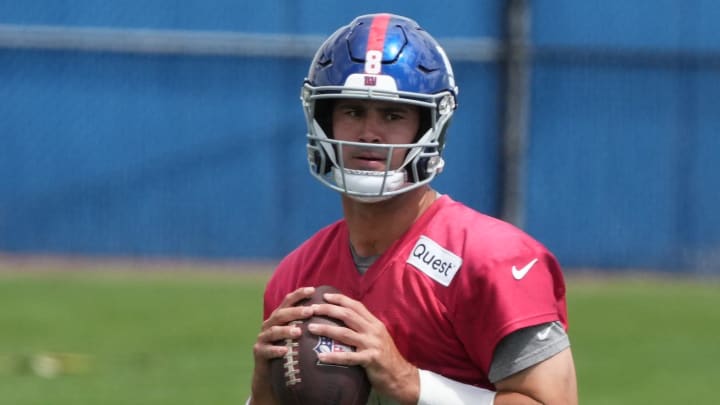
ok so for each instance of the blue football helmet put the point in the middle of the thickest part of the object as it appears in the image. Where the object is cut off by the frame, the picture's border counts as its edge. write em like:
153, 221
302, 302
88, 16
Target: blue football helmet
379, 57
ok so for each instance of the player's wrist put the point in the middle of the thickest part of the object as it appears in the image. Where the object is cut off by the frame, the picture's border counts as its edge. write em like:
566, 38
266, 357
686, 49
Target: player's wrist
261, 391
407, 387
401, 383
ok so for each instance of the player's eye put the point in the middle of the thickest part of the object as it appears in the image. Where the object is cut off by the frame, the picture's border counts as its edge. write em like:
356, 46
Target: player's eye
352, 111
393, 116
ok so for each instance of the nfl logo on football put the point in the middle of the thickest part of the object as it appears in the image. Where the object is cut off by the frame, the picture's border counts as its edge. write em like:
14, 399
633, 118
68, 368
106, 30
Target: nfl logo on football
327, 345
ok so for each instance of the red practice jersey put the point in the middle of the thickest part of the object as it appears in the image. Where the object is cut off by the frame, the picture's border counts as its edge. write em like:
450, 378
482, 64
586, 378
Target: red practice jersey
448, 290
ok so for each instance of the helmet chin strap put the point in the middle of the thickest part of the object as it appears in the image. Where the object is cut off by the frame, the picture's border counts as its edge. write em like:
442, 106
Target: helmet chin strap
369, 186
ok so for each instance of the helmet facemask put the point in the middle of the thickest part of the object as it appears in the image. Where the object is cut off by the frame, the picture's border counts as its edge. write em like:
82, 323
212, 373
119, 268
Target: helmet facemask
422, 161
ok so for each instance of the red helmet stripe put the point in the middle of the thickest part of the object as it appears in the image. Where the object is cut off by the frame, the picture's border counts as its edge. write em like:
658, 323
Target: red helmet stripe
376, 38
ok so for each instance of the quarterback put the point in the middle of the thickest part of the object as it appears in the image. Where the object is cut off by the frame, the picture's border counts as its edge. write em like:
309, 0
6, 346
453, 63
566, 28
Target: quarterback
444, 305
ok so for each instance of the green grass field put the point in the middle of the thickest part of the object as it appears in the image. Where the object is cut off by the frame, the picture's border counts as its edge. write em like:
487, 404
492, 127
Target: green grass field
186, 338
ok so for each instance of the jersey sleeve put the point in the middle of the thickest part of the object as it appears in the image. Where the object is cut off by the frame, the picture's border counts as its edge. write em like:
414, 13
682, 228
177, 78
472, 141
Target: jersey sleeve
521, 285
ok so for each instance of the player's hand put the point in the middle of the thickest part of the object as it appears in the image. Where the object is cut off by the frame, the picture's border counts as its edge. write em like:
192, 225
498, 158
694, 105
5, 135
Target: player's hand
388, 371
277, 327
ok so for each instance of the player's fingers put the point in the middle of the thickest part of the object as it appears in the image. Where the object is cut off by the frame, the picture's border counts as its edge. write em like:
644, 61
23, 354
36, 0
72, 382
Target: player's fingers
347, 302
348, 316
277, 333
355, 315
346, 348
292, 298
343, 335
287, 312
268, 351
343, 358
283, 316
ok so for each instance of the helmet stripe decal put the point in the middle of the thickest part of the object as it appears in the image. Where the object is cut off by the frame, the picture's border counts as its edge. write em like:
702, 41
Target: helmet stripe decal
376, 43
376, 38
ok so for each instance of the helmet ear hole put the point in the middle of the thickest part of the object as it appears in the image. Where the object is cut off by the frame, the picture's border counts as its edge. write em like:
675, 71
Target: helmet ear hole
322, 166
422, 166
323, 115
425, 122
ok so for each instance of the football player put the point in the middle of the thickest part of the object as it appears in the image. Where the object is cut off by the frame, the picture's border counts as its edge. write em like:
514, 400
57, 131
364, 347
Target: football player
444, 305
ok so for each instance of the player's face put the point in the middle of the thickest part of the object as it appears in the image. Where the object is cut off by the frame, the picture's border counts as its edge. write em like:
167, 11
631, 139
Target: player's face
374, 122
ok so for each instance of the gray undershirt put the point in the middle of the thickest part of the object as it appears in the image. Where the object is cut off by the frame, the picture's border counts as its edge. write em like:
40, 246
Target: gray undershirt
362, 263
516, 351
527, 347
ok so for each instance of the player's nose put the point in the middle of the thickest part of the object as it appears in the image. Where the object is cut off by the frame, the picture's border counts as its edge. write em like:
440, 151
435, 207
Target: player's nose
371, 131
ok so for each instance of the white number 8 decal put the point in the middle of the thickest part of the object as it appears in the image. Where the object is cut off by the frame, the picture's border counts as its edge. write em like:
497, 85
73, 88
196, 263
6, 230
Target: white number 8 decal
373, 62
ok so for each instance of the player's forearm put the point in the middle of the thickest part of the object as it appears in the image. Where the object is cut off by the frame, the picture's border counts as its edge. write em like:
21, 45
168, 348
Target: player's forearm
551, 381
438, 390
514, 398
404, 386
261, 392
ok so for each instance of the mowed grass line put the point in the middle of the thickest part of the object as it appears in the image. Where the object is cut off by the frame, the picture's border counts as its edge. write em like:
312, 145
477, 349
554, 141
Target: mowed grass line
186, 338
171, 338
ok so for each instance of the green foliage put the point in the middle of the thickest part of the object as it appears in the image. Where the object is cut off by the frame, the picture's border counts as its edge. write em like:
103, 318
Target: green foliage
186, 338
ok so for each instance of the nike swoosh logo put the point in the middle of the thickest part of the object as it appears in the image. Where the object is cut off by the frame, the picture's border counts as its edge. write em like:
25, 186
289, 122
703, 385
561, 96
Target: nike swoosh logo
544, 334
521, 273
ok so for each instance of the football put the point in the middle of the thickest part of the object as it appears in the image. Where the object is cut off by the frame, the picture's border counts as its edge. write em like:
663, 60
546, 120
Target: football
298, 378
